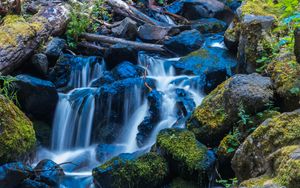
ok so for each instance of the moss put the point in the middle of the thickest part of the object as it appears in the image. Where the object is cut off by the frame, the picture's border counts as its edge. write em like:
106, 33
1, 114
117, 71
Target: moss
181, 183
260, 7
15, 27
183, 147
228, 145
149, 170
279, 131
17, 136
259, 182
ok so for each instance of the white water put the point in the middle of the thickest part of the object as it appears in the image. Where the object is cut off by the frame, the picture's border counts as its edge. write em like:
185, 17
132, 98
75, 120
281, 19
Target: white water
75, 112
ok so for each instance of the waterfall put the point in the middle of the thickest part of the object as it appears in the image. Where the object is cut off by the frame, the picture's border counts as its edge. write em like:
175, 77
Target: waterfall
74, 114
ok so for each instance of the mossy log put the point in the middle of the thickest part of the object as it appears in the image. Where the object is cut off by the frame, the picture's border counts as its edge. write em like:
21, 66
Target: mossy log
297, 44
19, 37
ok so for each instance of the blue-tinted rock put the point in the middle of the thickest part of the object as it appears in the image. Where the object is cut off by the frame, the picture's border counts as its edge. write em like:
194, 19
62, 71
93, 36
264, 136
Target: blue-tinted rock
209, 25
106, 78
39, 65
29, 183
184, 102
105, 152
212, 64
37, 97
127, 70
118, 53
55, 49
185, 42
12, 174
49, 172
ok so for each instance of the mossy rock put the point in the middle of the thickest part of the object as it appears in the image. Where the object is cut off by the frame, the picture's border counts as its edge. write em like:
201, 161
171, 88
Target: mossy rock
283, 170
219, 110
17, 136
15, 27
250, 160
285, 73
181, 183
148, 171
187, 157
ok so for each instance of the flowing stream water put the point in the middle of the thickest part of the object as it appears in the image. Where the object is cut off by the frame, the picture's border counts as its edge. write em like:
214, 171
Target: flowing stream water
73, 123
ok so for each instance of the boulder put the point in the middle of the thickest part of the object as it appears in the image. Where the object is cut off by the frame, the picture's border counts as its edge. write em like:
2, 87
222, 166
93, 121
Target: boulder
126, 29
187, 157
148, 124
39, 65
149, 170
285, 74
49, 172
106, 79
184, 43
195, 9
219, 110
151, 33
118, 53
231, 36
17, 137
182, 183
297, 44
209, 25
127, 70
213, 65
37, 98
12, 174
251, 158
43, 133
54, 49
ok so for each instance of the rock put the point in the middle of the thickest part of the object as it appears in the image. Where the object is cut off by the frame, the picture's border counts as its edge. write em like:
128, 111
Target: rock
61, 73
209, 25
253, 36
219, 110
12, 174
39, 65
185, 103
118, 53
287, 88
212, 65
37, 98
151, 33
49, 172
126, 29
149, 170
195, 9
29, 183
231, 36
297, 44
269, 137
186, 157
43, 133
185, 42
106, 78
127, 70
12, 7
181, 183
17, 137
111, 100
55, 49
105, 152
148, 124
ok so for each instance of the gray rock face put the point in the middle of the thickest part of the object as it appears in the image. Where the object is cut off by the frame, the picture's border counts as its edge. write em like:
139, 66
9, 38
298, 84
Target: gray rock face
152, 33
127, 29
40, 63
54, 49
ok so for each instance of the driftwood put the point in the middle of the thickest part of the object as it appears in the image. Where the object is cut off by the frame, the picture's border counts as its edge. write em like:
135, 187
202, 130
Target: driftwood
114, 40
19, 38
127, 10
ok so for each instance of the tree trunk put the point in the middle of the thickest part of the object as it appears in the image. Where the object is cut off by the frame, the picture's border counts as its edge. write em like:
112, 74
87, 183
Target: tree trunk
19, 38
114, 40
297, 44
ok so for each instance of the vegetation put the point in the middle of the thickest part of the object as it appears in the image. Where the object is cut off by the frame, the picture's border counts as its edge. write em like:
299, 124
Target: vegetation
7, 89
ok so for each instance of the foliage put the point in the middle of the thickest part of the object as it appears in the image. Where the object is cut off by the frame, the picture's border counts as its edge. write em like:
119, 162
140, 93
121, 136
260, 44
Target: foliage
228, 183
244, 117
7, 89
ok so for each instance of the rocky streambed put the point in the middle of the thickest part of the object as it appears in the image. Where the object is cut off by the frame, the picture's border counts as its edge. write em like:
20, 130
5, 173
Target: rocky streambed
113, 94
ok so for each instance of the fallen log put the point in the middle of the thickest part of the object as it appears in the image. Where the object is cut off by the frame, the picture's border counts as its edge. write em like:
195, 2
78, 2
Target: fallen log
127, 10
114, 40
19, 37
